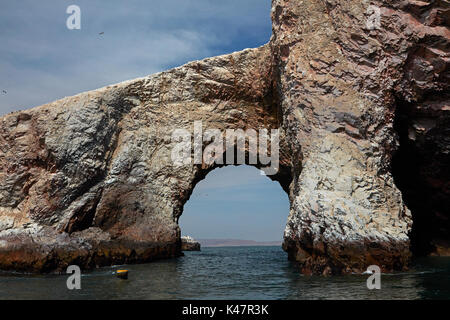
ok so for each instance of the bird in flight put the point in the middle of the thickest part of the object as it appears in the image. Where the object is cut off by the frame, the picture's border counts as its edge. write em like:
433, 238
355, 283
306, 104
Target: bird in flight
4, 91
101, 33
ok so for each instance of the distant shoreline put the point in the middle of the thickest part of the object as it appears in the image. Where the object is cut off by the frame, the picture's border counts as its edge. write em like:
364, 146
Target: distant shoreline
236, 243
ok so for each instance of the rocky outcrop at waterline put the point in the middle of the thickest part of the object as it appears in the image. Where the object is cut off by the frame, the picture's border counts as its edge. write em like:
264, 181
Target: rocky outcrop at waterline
89, 180
189, 244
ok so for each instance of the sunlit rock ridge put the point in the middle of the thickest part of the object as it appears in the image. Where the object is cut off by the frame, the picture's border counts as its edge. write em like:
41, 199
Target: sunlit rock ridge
89, 179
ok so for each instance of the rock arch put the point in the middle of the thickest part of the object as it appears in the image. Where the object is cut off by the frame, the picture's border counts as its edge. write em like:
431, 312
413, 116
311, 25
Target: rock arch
88, 179
281, 180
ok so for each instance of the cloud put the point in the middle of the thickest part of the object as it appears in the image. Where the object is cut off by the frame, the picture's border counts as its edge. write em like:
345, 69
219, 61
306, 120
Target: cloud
41, 60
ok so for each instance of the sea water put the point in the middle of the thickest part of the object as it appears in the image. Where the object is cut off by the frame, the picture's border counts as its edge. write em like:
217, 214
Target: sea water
231, 273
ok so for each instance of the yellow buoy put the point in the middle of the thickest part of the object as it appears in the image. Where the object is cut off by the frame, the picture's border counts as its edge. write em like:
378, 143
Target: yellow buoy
122, 274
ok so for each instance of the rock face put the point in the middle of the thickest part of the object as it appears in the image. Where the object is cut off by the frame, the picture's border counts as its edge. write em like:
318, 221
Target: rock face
189, 244
89, 179
343, 67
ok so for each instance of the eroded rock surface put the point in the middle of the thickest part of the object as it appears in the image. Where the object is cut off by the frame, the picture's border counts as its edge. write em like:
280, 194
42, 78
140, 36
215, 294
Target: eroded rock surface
189, 244
89, 179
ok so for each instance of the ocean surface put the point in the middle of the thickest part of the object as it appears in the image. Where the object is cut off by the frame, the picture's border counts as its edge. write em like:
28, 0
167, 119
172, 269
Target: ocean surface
231, 273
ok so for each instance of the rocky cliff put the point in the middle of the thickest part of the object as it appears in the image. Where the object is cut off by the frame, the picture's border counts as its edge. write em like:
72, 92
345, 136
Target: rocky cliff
89, 180
189, 244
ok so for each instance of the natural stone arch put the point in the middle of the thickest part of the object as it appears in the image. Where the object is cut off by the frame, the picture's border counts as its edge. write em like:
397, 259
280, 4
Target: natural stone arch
88, 179
111, 191
283, 178
248, 104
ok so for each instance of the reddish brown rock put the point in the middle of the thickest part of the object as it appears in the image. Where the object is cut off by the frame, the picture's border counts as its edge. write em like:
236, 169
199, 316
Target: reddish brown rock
89, 179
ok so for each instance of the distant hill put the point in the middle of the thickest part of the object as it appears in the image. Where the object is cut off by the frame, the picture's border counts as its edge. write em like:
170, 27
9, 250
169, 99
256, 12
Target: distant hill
235, 243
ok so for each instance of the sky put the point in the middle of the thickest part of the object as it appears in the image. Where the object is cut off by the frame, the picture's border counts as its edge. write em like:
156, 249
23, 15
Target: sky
41, 60
236, 202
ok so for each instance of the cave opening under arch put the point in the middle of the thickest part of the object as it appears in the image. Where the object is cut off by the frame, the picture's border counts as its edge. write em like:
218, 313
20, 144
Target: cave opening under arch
236, 202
